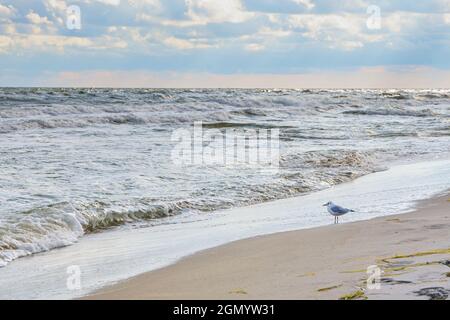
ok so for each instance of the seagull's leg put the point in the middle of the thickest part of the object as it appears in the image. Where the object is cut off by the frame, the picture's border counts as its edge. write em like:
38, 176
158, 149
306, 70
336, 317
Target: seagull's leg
337, 218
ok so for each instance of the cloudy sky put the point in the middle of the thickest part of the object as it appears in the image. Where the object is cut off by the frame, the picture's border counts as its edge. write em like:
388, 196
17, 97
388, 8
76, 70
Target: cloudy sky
225, 43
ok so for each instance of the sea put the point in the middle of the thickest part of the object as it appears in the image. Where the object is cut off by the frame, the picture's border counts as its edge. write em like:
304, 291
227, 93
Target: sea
79, 162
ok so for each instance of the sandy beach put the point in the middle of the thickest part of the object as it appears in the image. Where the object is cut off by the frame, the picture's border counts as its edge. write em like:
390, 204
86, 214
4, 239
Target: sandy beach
412, 251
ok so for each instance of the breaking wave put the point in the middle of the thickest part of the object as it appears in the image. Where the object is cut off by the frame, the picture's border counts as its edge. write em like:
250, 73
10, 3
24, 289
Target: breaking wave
393, 112
61, 224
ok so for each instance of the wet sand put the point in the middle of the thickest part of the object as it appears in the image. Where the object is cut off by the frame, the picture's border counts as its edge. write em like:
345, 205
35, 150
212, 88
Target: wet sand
412, 251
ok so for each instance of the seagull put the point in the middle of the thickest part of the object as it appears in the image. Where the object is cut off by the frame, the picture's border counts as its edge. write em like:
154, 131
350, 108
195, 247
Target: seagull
336, 210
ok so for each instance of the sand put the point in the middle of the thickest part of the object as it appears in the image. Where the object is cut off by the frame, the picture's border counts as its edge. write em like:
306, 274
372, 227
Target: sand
412, 251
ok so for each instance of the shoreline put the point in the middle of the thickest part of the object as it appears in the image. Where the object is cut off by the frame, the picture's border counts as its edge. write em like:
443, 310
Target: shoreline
108, 258
327, 262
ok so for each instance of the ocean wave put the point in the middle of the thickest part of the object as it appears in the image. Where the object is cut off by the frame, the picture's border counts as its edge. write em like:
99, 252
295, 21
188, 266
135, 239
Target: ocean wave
396, 95
250, 112
63, 223
7, 126
433, 95
331, 159
53, 123
39, 108
392, 112
222, 125
125, 134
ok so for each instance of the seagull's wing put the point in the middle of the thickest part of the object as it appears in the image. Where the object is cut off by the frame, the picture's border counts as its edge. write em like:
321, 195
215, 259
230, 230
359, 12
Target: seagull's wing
339, 209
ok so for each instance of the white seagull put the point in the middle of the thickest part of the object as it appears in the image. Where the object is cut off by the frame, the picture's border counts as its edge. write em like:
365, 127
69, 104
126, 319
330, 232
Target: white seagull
336, 210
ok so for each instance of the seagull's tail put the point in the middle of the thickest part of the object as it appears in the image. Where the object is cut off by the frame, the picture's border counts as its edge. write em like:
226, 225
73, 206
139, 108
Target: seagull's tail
352, 210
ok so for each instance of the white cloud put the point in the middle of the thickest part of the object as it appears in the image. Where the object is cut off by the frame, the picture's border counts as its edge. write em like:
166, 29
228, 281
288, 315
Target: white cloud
48, 42
110, 2
57, 10
447, 18
136, 36
5, 43
51, 43
178, 43
55, 5
445, 4
6, 12
316, 24
344, 31
153, 4
200, 12
253, 47
35, 18
400, 22
216, 11
264, 38
277, 33
183, 44
9, 28
308, 4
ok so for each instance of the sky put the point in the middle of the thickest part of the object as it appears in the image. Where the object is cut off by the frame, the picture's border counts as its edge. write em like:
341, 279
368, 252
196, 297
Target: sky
225, 43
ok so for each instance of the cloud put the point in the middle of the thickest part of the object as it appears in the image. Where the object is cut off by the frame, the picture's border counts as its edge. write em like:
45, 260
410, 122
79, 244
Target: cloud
34, 18
183, 44
6, 10
55, 7
201, 12
56, 43
5, 43
254, 47
213, 11
178, 43
306, 3
223, 36
110, 2
446, 18
187, 24
344, 31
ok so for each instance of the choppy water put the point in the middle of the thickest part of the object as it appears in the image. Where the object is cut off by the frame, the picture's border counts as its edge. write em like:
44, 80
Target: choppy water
75, 161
